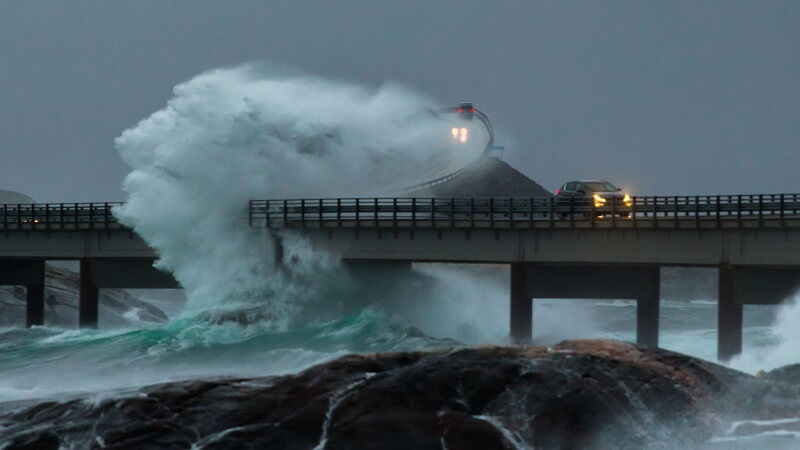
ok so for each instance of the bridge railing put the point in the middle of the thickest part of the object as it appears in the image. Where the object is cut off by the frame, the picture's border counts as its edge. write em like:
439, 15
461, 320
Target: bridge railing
760, 210
58, 216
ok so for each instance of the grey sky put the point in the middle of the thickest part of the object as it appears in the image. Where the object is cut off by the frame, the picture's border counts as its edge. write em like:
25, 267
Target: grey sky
678, 97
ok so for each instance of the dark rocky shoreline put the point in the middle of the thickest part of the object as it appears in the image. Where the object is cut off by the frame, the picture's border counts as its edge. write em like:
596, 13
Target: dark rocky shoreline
578, 394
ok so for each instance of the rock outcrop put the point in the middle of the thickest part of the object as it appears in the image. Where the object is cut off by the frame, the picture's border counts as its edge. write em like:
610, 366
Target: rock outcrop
579, 394
13, 197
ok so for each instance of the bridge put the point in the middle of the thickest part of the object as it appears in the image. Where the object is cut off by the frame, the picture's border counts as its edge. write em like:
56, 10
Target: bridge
553, 249
110, 255
572, 249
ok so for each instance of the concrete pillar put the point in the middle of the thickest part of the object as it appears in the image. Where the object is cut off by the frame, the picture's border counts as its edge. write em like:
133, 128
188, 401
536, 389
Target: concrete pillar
647, 312
521, 306
729, 315
34, 305
88, 301
647, 321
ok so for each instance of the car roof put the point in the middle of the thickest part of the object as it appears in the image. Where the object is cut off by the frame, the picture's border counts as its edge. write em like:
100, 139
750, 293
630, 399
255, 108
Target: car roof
588, 181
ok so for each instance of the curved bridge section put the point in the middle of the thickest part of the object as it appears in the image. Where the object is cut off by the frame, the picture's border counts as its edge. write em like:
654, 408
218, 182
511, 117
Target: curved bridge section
473, 113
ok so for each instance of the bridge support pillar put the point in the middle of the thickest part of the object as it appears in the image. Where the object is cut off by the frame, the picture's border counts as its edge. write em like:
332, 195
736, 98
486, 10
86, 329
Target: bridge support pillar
647, 310
88, 301
729, 315
34, 302
521, 306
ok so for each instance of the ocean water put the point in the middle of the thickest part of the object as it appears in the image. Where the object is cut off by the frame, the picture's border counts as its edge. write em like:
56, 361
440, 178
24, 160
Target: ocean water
440, 306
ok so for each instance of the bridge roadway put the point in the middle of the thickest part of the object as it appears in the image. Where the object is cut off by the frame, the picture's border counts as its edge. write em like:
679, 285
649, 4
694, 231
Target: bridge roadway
553, 250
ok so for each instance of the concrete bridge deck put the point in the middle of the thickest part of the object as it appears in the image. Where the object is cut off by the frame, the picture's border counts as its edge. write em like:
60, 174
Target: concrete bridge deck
555, 250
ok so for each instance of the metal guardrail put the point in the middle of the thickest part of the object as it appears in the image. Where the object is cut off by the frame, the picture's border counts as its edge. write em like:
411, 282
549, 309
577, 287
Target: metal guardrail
58, 216
722, 211
431, 183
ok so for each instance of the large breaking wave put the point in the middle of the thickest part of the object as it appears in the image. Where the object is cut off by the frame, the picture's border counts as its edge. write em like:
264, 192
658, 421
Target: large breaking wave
254, 132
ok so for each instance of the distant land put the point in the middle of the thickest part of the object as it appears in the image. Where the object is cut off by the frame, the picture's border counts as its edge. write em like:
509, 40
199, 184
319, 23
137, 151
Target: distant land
13, 197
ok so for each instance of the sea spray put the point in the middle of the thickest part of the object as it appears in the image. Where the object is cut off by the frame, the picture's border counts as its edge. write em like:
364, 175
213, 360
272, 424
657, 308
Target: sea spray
254, 132
784, 334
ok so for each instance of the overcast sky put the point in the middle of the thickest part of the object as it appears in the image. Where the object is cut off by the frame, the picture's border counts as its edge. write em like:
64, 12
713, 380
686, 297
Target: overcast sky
672, 97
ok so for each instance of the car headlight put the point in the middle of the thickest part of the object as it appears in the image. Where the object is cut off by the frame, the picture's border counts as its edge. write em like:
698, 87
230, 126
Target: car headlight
598, 200
627, 200
460, 134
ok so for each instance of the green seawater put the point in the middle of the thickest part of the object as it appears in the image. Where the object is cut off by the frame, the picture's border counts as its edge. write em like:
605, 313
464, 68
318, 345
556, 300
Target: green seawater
40, 362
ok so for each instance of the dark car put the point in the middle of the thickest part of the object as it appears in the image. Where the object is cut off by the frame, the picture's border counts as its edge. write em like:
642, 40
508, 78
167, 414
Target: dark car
584, 196
466, 110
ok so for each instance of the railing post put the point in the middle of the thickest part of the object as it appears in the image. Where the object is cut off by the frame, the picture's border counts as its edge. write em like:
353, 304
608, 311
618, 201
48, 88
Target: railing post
472, 212
760, 210
358, 213
530, 212
452, 212
302, 213
696, 211
491, 212
633, 210
339, 212
433, 212
107, 214
321, 223
33, 216
782, 208
717, 212
285, 213
5, 216
552, 205
91, 216
591, 212
250, 213
413, 212
613, 212
675, 210
739, 211
572, 212
47, 216
655, 212
394, 213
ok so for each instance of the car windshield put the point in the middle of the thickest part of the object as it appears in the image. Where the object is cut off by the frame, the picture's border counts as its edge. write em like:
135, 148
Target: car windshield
600, 186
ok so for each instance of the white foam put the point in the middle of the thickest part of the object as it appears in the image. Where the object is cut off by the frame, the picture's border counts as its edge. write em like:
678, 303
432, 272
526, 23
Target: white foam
786, 331
258, 132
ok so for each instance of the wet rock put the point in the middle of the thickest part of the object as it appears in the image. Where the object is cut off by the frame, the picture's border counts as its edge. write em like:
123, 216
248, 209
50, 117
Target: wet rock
786, 374
35, 441
579, 394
